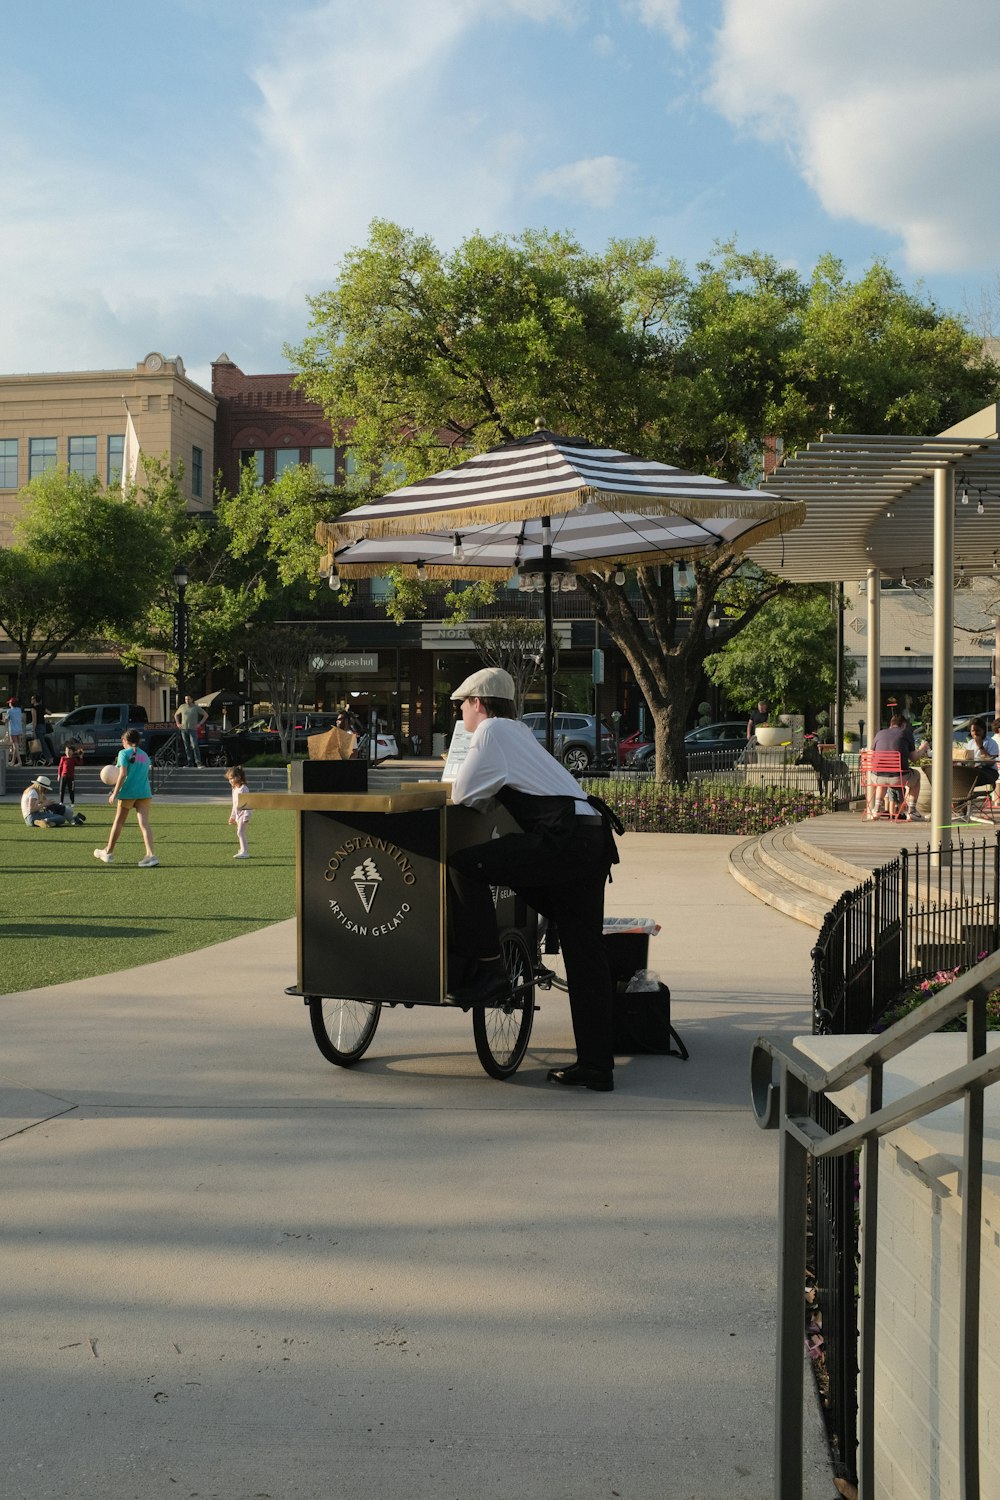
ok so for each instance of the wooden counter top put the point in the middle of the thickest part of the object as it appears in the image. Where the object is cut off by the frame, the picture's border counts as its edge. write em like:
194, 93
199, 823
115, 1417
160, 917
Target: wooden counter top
413, 799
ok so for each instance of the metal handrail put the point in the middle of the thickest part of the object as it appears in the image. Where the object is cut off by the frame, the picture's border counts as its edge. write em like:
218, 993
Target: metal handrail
785, 1103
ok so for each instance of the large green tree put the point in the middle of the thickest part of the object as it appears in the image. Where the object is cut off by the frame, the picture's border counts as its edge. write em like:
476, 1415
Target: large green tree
419, 357
787, 655
251, 561
81, 568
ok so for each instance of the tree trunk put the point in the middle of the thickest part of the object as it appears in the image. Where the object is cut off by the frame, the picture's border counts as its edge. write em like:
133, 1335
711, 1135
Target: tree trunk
667, 649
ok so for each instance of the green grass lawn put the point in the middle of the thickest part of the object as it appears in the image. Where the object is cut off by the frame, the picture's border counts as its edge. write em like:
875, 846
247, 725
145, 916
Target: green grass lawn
64, 915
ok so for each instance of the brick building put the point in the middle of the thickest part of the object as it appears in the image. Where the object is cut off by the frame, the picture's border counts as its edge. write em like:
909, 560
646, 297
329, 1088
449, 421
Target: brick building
268, 420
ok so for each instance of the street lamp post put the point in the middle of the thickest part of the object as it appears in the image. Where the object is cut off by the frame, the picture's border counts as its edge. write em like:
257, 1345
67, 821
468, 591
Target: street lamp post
180, 637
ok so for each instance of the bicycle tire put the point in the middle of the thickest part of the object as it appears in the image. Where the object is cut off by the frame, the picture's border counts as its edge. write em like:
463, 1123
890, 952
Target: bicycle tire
343, 1029
502, 1032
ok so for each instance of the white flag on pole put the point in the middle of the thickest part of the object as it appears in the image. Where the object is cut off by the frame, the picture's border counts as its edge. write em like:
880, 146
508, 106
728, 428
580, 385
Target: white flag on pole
130, 452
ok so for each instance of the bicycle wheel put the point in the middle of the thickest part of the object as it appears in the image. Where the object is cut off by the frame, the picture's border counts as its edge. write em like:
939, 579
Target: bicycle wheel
343, 1028
502, 1032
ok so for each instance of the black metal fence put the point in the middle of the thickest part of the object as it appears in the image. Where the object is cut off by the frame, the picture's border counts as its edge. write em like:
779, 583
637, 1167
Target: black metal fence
918, 915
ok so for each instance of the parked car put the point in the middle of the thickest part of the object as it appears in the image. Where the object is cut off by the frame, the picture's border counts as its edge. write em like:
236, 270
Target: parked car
573, 739
726, 740
261, 737
730, 734
630, 744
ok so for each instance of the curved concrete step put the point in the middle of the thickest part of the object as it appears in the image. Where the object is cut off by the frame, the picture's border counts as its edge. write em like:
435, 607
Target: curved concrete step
747, 867
794, 863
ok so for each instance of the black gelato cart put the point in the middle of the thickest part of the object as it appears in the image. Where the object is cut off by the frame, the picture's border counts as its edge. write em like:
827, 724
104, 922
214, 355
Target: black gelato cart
371, 883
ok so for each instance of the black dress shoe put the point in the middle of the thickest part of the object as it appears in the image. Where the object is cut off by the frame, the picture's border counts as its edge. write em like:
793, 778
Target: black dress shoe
488, 985
576, 1076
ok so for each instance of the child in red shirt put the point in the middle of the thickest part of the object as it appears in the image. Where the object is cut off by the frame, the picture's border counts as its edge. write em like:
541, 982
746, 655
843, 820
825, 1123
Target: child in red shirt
72, 755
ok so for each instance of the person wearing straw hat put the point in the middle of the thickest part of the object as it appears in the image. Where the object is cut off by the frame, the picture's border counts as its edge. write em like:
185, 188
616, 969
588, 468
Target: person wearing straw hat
36, 809
558, 863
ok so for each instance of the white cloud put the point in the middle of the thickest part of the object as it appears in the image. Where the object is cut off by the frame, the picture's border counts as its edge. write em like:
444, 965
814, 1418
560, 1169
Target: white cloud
891, 112
357, 112
373, 110
665, 16
596, 180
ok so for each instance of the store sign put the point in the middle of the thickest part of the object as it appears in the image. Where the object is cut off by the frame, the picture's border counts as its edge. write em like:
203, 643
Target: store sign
351, 661
436, 637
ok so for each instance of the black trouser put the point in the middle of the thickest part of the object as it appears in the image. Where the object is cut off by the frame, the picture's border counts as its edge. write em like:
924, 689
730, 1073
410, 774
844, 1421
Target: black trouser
67, 788
564, 882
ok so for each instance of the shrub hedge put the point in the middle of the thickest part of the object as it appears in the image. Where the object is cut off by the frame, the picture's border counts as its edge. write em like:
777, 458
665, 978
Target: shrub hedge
647, 806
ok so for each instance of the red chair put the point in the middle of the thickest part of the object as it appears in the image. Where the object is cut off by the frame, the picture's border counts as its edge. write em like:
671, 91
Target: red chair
883, 763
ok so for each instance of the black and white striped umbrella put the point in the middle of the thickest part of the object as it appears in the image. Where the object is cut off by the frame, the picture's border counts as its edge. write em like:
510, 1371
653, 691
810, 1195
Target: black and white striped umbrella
554, 506
546, 475
585, 540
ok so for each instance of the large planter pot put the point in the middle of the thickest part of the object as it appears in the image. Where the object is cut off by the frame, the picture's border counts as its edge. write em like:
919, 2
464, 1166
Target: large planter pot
769, 735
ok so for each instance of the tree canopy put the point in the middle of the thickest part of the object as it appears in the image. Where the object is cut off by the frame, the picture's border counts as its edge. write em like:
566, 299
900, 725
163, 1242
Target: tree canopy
419, 357
250, 562
80, 569
786, 655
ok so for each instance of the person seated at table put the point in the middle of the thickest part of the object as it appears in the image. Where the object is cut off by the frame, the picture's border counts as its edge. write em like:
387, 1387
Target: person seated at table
36, 809
985, 750
897, 737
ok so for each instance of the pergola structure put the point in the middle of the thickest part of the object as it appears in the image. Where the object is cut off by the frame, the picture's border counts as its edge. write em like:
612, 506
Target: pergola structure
923, 506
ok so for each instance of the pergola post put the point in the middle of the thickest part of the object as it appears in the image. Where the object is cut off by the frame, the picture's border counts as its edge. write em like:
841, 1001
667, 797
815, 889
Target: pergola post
943, 679
873, 705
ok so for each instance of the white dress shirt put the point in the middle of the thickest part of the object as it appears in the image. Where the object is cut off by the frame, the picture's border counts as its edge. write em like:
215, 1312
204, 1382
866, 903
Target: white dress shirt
504, 752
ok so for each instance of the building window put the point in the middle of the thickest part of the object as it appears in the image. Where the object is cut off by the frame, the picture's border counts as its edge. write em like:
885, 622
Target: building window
83, 456
116, 457
197, 471
254, 456
8, 463
325, 460
41, 456
285, 458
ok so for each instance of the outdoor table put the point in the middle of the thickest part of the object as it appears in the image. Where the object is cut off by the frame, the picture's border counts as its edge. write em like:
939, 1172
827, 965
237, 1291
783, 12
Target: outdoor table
963, 782
371, 915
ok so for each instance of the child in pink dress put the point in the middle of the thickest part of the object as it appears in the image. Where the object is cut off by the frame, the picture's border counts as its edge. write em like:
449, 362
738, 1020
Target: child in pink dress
240, 815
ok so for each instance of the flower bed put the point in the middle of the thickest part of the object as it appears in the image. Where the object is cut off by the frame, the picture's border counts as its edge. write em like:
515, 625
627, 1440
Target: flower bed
914, 998
706, 806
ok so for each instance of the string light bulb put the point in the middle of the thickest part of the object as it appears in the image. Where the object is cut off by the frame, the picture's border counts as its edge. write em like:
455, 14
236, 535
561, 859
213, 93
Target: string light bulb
569, 583
334, 579
619, 574
965, 494
458, 551
682, 573
980, 508
421, 570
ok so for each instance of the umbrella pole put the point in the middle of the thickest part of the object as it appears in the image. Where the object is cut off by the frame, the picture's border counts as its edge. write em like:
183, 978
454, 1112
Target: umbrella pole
547, 650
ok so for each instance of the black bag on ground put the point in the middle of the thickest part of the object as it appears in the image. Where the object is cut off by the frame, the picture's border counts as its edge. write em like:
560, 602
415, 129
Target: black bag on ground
641, 1023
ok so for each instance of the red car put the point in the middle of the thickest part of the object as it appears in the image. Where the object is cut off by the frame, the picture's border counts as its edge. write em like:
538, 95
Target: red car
631, 743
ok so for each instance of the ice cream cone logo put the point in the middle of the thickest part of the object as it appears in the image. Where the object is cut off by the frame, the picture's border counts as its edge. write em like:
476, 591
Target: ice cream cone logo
366, 880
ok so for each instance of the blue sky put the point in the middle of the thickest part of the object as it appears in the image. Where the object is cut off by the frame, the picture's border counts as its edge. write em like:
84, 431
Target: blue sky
179, 176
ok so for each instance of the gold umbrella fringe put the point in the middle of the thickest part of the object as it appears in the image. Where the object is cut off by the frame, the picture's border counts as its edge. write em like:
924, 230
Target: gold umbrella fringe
465, 572
786, 514
761, 533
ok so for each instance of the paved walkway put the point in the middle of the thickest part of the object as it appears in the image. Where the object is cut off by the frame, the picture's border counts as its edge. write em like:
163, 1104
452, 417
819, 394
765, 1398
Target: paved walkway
232, 1270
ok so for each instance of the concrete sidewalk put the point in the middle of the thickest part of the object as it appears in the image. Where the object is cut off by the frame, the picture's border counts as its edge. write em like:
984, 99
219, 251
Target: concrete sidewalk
232, 1270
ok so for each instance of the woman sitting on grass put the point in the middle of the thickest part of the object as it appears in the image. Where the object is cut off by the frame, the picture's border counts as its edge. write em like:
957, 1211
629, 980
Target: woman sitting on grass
131, 789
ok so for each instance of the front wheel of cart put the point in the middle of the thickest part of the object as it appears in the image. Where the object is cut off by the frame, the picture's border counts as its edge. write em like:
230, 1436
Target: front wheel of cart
502, 1032
343, 1028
